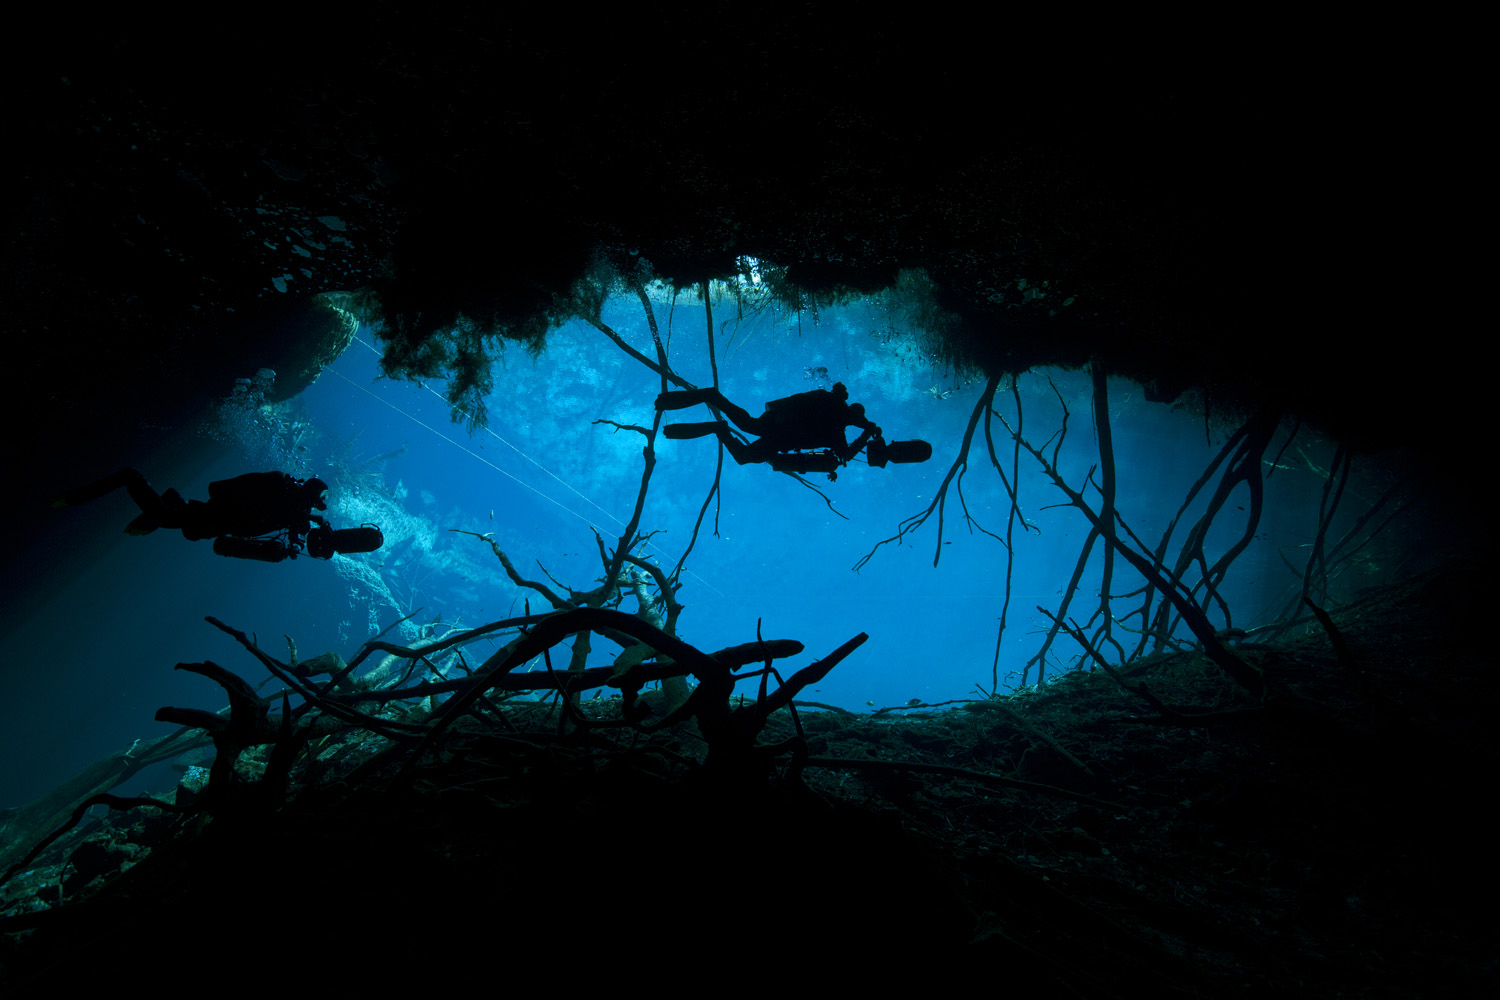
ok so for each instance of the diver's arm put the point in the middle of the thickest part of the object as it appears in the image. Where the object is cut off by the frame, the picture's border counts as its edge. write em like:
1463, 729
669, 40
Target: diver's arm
854, 416
870, 431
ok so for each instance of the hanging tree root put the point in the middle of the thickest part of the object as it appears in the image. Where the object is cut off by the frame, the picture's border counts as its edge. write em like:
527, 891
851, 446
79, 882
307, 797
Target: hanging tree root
940, 499
1238, 669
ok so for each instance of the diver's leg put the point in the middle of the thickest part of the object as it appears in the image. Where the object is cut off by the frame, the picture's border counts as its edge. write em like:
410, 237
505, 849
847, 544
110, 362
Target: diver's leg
682, 399
143, 524
153, 511
746, 452
140, 491
742, 453
166, 512
153, 508
742, 419
198, 520
679, 432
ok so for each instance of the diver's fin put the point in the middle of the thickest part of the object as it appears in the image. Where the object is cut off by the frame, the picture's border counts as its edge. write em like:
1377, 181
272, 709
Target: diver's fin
142, 525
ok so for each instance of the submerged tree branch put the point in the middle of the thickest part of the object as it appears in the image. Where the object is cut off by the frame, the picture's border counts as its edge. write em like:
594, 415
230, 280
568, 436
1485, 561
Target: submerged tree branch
960, 463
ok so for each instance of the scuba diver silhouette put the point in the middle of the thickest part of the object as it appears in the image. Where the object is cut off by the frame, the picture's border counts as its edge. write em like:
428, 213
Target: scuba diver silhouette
801, 433
260, 515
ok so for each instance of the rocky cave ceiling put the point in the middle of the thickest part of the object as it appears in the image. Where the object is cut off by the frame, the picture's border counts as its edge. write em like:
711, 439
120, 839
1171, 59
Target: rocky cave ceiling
173, 201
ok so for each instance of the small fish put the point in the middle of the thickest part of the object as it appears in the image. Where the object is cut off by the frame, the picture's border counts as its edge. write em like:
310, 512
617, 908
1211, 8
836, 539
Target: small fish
492, 513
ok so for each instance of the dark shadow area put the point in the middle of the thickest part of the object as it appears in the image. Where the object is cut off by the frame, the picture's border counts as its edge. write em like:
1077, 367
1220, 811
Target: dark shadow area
1325, 841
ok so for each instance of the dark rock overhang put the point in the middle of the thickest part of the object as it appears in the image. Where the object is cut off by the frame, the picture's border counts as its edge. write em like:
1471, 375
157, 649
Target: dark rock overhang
172, 197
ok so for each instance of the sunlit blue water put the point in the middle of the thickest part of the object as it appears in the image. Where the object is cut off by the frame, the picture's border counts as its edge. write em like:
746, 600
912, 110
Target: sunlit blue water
543, 478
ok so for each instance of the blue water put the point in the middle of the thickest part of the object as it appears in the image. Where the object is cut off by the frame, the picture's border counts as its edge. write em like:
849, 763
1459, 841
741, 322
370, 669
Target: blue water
541, 477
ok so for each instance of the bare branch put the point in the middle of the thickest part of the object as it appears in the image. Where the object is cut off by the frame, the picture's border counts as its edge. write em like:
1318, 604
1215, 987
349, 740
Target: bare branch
713, 491
625, 427
1227, 659
939, 501
1327, 508
1010, 521
515, 576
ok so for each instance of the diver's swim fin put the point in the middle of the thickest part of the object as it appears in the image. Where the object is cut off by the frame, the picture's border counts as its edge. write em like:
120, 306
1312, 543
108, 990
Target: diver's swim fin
142, 525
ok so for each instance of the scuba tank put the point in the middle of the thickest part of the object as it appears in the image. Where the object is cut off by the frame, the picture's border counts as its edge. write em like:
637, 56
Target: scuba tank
271, 550
805, 462
322, 543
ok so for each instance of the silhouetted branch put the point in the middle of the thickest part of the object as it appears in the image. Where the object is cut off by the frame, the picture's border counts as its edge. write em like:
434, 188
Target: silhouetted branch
1245, 467
667, 586
1079, 566
1197, 622
1010, 521
112, 801
728, 732
1160, 628
826, 499
459, 639
1275, 463
1140, 689
660, 368
390, 729
1338, 556
46, 813
960, 463
1106, 499
515, 576
1327, 508
731, 657
648, 456
624, 427
713, 491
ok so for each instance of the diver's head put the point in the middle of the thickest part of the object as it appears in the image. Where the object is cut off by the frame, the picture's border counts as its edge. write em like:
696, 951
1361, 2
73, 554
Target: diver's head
840, 390
313, 491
